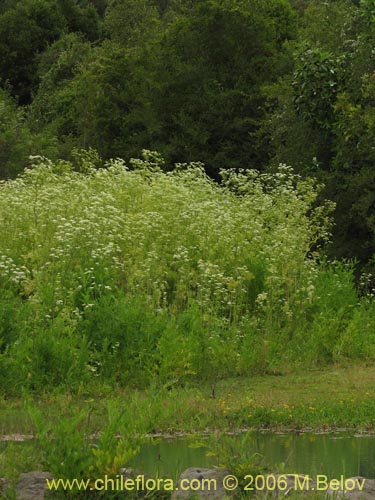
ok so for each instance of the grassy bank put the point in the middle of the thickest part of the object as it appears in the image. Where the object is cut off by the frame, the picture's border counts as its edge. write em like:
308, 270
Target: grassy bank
316, 400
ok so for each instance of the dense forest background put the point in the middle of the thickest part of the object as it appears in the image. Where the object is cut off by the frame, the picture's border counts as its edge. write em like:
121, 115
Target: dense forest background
230, 83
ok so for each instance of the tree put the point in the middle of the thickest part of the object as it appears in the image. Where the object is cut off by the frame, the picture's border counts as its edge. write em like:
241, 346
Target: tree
81, 18
90, 97
54, 108
17, 142
208, 68
190, 88
127, 21
324, 121
25, 31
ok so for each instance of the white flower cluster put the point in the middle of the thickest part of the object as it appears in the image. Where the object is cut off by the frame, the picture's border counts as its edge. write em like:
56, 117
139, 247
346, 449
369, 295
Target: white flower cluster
174, 237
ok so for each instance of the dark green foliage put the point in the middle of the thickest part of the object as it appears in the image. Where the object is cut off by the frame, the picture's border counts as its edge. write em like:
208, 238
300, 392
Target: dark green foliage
81, 17
127, 21
26, 29
315, 85
54, 108
189, 86
323, 122
209, 69
100, 5
17, 141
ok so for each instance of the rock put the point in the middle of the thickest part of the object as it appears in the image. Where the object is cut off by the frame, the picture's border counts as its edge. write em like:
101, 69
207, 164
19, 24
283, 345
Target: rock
3, 485
32, 486
141, 483
204, 483
282, 485
352, 489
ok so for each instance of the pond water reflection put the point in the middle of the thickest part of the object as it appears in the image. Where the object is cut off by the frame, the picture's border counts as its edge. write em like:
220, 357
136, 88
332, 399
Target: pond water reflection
329, 454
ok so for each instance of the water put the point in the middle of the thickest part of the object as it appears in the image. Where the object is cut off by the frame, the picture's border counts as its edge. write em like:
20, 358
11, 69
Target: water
331, 454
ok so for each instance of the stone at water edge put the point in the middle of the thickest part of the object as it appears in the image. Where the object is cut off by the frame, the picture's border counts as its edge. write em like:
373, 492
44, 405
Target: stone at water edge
32, 486
133, 474
198, 475
367, 493
284, 485
3, 484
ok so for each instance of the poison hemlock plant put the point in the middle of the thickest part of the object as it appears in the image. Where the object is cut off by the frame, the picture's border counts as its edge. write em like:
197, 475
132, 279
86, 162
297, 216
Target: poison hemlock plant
132, 275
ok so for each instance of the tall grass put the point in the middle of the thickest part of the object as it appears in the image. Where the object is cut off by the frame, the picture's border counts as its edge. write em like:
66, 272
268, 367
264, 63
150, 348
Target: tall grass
130, 274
